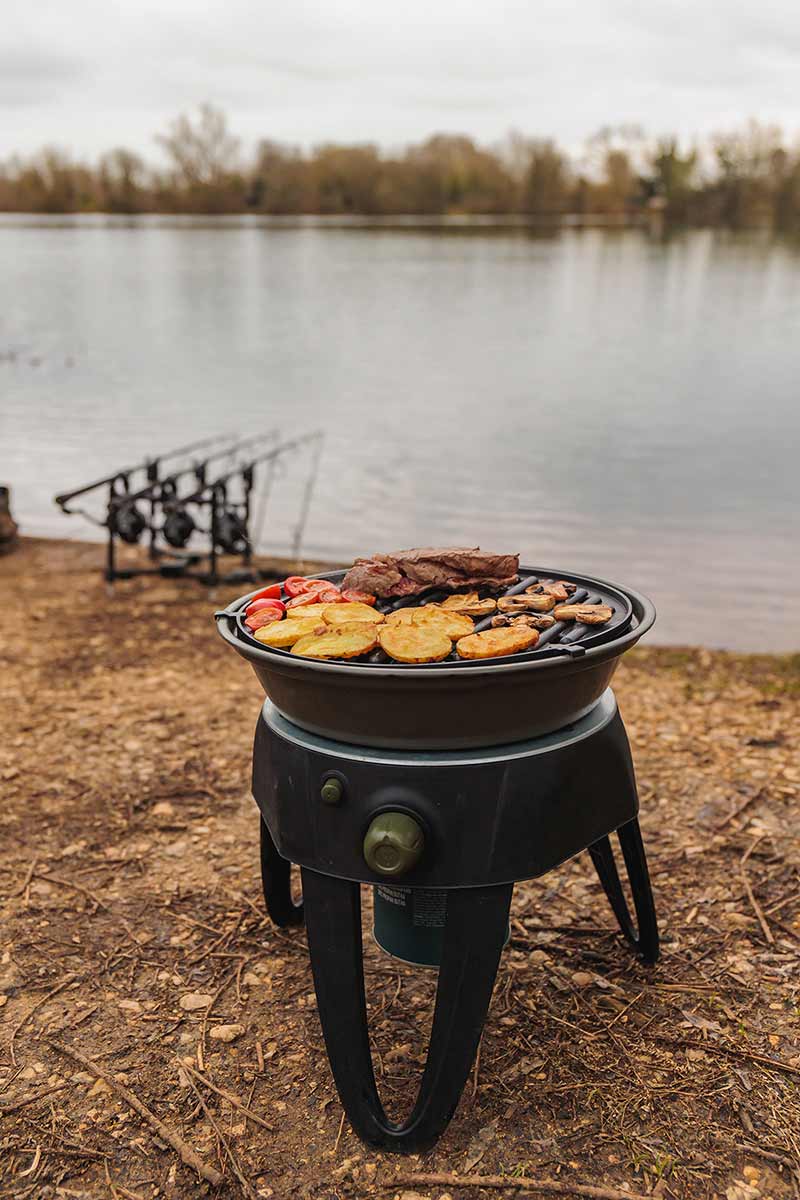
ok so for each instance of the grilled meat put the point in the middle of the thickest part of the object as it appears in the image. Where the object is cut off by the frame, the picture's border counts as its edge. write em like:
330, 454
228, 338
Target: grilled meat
409, 572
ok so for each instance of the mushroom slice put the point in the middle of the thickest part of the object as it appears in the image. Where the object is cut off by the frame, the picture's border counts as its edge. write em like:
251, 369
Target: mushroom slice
586, 614
468, 604
525, 603
532, 620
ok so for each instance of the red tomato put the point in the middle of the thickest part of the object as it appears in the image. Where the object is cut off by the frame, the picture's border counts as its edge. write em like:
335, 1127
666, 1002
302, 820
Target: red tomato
264, 602
358, 597
273, 592
296, 585
321, 593
264, 616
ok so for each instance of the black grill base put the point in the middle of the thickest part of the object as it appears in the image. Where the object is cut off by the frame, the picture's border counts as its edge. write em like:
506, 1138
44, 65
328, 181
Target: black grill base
490, 818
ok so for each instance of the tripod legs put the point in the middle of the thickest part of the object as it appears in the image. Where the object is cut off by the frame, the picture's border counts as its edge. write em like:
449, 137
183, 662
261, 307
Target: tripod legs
645, 939
475, 931
276, 882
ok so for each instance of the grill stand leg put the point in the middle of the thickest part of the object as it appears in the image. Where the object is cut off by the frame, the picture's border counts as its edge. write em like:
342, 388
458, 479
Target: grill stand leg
276, 882
645, 940
475, 931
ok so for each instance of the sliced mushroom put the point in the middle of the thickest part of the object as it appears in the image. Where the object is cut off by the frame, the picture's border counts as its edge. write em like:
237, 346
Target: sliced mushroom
586, 614
534, 620
525, 603
559, 589
468, 604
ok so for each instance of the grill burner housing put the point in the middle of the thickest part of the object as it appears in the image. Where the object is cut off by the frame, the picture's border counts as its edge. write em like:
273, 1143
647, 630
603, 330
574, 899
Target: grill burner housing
458, 828
455, 703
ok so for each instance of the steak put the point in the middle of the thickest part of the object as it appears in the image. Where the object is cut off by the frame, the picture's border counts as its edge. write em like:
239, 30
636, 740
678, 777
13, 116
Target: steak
409, 572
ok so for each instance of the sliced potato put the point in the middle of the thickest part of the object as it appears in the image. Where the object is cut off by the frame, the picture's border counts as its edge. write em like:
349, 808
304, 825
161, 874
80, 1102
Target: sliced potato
411, 643
284, 634
525, 603
493, 643
339, 641
587, 614
308, 610
453, 624
469, 605
351, 610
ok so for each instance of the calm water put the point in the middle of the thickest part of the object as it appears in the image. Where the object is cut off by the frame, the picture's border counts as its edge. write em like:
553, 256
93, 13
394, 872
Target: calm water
597, 400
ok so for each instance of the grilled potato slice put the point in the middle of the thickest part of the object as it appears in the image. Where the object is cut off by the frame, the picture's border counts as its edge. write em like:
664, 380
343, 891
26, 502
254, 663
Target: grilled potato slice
339, 641
351, 610
284, 634
307, 610
587, 614
410, 643
493, 643
525, 603
468, 604
455, 625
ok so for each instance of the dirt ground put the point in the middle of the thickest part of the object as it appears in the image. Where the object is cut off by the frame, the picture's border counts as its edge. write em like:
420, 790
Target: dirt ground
129, 886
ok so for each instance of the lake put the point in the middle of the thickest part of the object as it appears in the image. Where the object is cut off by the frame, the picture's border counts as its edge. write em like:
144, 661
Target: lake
595, 399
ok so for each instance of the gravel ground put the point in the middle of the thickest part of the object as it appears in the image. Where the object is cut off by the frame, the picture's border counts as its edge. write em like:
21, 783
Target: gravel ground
136, 963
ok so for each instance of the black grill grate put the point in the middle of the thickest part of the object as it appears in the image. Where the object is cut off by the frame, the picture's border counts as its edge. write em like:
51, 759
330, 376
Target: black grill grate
564, 639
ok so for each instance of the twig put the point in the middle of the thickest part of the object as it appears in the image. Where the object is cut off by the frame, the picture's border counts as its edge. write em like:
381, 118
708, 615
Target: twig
739, 809
519, 1183
727, 1051
8, 1109
54, 992
237, 1170
339, 1134
26, 881
182, 1148
229, 1096
756, 907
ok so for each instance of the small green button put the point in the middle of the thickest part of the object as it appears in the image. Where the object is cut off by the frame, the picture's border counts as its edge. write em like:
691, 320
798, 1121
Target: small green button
393, 844
332, 791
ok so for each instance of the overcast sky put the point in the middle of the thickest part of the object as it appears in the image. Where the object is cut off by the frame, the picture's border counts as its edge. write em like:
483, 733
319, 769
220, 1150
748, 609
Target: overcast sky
90, 74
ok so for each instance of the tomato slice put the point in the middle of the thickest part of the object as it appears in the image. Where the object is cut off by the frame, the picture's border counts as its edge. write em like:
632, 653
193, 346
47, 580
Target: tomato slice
264, 602
357, 597
265, 616
273, 592
297, 585
324, 593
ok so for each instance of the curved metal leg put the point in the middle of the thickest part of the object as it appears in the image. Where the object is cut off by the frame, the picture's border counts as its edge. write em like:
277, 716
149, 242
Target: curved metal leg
475, 930
276, 882
645, 941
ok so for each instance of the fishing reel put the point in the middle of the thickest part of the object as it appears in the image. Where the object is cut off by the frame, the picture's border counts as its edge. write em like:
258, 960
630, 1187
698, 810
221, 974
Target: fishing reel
178, 526
126, 521
231, 533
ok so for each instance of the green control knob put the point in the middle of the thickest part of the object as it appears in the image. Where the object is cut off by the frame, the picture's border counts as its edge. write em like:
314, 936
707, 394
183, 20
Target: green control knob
332, 791
393, 844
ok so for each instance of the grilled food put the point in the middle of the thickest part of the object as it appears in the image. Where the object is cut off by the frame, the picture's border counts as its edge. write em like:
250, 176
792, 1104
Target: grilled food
409, 572
525, 603
532, 620
338, 641
411, 643
468, 604
347, 611
284, 634
587, 614
308, 610
493, 643
451, 623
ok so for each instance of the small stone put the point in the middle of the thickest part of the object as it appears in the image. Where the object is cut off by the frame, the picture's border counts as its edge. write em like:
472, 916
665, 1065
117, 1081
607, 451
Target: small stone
194, 1001
163, 809
251, 979
100, 1086
186, 1038
130, 1006
3, 999
226, 1033
582, 978
82, 1077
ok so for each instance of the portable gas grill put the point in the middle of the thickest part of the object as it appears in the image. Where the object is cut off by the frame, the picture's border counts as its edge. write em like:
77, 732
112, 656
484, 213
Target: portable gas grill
440, 784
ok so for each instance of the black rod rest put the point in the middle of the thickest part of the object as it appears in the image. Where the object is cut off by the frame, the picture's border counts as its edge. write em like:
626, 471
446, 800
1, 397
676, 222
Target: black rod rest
488, 818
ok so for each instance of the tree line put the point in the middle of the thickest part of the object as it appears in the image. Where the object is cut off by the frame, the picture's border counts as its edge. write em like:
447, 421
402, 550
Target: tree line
746, 178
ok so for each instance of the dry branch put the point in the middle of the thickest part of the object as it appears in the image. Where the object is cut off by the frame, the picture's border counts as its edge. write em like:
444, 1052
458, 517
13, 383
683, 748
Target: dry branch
187, 1154
517, 1183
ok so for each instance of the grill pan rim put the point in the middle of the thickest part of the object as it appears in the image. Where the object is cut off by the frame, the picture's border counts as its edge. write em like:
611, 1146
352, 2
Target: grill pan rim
644, 613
